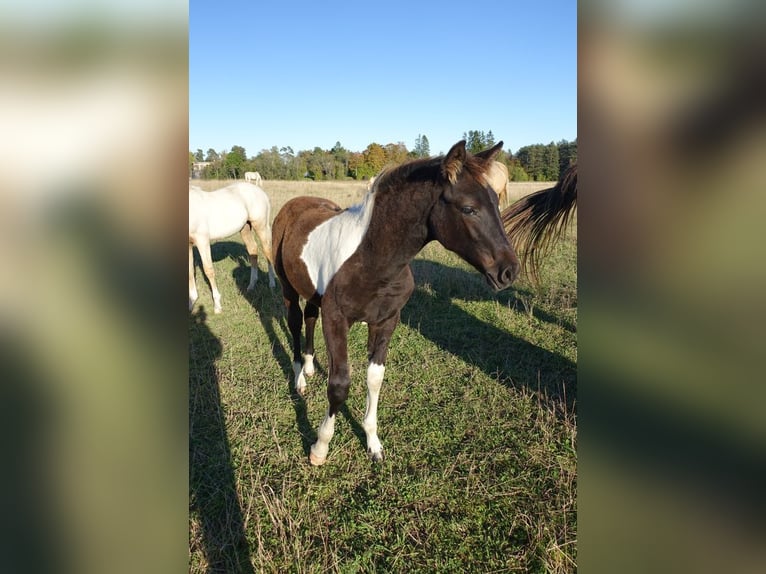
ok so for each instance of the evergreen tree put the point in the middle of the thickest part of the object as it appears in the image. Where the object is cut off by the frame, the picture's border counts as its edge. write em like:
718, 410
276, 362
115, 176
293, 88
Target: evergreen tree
425, 147
474, 141
422, 147
550, 170
567, 155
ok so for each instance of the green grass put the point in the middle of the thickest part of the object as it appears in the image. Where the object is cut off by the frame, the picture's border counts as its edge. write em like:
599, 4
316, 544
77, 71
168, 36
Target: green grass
477, 419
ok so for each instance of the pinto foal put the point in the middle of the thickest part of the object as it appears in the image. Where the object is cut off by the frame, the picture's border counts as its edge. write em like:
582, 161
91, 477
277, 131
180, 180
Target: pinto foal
353, 264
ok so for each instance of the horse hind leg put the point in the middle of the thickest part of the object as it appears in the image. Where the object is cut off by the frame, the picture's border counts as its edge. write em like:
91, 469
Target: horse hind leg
295, 324
264, 234
252, 251
310, 314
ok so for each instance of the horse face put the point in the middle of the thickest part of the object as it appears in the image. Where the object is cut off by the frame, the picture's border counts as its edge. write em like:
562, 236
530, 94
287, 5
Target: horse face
466, 220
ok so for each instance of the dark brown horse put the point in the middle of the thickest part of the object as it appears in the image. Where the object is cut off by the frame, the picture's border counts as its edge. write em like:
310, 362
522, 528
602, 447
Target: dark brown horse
535, 222
354, 264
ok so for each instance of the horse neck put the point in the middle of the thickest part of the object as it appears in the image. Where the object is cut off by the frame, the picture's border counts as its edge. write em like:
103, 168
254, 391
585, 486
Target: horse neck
398, 229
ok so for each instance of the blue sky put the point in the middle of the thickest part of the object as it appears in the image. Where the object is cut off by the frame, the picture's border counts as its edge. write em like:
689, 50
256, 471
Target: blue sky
308, 74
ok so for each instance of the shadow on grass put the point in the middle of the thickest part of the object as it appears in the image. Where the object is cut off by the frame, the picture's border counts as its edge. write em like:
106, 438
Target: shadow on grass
515, 361
269, 308
219, 251
31, 519
452, 282
212, 487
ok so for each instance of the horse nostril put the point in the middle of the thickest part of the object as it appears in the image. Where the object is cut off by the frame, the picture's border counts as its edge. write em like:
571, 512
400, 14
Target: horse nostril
509, 274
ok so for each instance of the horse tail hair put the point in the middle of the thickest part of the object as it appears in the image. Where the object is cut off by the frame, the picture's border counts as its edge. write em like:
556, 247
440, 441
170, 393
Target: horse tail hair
535, 222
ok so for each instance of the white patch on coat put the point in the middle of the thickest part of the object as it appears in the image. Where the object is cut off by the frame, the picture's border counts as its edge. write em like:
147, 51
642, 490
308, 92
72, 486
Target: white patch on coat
334, 241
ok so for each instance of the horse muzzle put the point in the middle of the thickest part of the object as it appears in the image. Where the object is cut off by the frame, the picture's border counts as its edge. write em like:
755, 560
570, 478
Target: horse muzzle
502, 275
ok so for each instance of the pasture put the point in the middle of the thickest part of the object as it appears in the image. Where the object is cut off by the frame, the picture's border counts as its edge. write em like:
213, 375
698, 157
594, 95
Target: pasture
477, 415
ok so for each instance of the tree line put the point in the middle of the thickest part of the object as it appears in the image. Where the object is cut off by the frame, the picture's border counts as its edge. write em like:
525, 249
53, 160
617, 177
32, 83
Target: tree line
536, 162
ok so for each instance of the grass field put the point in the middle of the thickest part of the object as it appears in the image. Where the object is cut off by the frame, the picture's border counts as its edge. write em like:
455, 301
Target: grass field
477, 418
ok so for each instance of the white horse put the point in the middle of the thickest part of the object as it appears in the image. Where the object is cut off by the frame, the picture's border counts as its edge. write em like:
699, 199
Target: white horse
254, 177
214, 215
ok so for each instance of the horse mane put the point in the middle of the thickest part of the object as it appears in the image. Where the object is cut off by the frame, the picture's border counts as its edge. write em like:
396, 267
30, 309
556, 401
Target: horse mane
535, 222
428, 170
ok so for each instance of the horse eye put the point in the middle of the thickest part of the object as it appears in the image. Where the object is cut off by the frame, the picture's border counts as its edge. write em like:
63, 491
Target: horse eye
468, 210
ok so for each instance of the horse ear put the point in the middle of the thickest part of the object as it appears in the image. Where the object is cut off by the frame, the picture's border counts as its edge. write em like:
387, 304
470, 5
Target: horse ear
452, 163
490, 153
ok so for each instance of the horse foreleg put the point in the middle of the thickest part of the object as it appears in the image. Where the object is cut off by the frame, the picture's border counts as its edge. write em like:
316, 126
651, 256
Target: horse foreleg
192, 283
378, 337
207, 266
337, 386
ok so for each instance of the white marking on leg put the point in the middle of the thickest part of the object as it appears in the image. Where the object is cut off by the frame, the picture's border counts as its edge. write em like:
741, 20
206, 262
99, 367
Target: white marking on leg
300, 380
308, 364
272, 283
331, 243
370, 423
325, 431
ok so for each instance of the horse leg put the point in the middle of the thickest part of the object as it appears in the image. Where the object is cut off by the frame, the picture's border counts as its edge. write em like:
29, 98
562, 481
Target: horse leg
295, 324
310, 314
264, 234
378, 337
336, 334
252, 250
207, 265
192, 283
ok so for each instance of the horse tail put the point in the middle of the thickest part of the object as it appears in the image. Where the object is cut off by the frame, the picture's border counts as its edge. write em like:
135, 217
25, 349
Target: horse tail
535, 222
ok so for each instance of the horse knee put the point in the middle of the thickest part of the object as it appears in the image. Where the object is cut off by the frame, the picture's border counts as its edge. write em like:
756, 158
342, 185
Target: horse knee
337, 393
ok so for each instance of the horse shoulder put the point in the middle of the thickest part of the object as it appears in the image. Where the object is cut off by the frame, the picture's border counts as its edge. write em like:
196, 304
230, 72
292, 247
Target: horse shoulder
333, 241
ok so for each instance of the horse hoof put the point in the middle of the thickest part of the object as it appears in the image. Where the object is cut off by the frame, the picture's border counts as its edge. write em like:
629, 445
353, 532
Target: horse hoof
377, 456
315, 460
217, 310
308, 366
